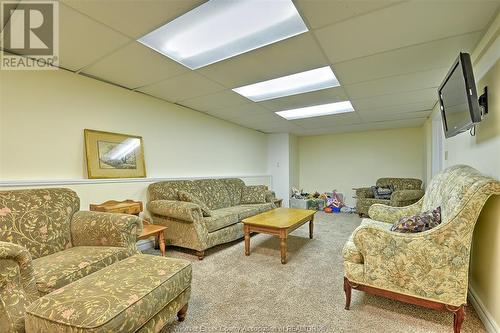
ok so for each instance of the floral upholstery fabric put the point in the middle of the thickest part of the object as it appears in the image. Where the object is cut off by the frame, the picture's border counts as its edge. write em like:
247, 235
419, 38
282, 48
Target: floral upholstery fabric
187, 197
220, 218
253, 194
17, 286
45, 222
181, 210
38, 219
106, 229
214, 192
61, 268
406, 192
389, 214
185, 222
433, 264
234, 186
97, 303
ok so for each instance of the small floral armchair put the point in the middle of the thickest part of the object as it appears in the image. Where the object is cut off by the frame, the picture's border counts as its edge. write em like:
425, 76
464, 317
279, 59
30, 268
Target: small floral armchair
47, 243
429, 268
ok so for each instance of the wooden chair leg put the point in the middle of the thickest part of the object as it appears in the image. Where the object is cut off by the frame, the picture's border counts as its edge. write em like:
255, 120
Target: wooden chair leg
200, 255
458, 319
347, 290
181, 315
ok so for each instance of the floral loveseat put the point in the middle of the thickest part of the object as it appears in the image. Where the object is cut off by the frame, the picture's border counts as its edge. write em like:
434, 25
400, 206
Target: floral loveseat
187, 225
59, 268
406, 192
429, 268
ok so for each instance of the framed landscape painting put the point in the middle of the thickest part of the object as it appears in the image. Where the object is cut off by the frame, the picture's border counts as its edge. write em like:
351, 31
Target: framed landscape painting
114, 155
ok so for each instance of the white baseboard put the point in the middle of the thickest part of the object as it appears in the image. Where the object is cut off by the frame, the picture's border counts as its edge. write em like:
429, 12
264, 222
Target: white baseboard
145, 244
489, 322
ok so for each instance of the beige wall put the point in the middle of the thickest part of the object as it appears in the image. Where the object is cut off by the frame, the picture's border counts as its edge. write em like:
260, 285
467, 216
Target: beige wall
483, 153
43, 114
344, 161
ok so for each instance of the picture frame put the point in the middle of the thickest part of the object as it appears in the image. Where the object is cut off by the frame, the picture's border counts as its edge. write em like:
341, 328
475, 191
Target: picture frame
114, 155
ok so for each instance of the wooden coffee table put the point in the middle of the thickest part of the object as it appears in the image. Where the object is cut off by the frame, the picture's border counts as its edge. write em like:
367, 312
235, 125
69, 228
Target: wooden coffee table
279, 222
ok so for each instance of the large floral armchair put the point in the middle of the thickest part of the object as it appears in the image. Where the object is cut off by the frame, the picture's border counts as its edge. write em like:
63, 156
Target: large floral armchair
428, 268
47, 243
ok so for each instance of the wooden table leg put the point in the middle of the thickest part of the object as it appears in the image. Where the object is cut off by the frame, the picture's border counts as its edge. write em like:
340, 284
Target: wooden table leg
311, 227
161, 241
283, 246
247, 240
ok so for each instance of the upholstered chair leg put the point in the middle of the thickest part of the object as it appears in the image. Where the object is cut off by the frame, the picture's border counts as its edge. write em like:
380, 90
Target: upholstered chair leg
181, 315
200, 254
347, 290
458, 319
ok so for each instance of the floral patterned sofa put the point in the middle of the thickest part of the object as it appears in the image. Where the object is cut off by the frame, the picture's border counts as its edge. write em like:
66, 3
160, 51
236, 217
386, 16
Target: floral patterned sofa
187, 225
406, 192
59, 266
428, 268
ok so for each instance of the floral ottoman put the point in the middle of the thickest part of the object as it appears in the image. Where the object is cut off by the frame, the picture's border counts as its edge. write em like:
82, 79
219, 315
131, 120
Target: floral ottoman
142, 293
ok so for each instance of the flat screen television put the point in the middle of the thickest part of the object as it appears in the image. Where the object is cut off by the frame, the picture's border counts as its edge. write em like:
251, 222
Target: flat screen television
458, 98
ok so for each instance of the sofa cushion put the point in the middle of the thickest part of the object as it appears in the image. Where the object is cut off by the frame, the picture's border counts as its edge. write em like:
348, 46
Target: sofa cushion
214, 193
220, 218
234, 187
167, 190
61, 268
119, 298
38, 219
188, 197
253, 194
261, 207
382, 192
419, 222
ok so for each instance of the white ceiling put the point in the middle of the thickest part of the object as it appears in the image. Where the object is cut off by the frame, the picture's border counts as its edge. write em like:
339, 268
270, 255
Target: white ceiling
388, 55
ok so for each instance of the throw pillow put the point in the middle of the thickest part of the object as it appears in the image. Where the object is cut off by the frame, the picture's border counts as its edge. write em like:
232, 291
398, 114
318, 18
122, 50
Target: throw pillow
382, 192
418, 223
188, 197
253, 194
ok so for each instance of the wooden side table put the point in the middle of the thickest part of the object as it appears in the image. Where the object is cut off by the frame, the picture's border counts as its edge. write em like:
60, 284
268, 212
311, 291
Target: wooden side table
132, 207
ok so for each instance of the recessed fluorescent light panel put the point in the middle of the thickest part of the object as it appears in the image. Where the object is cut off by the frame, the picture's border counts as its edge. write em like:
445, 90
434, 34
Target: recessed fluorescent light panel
221, 29
315, 79
317, 110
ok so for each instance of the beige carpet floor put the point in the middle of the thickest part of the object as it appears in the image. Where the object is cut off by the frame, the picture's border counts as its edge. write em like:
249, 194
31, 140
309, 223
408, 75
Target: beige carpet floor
234, 293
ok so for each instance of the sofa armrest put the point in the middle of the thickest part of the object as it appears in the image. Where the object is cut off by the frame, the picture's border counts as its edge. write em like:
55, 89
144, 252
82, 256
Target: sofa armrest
105, 229
270, 196
399, 198
391, 214
180, 210
364, 192
17, 286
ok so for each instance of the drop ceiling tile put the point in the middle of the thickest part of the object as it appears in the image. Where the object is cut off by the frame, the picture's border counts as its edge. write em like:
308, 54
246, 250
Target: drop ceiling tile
321, 13
324, 96
260, 120
223, 99
374, 117
393, 109
331, 120
422, 57
83, 41
290, 56
397, 84
428, 95
402, 25
247, 110
182, 87
132, 17
135, 65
